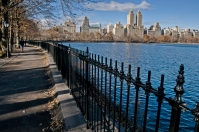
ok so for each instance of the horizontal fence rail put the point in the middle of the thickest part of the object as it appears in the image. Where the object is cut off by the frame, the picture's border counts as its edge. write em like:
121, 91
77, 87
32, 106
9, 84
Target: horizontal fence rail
108, 98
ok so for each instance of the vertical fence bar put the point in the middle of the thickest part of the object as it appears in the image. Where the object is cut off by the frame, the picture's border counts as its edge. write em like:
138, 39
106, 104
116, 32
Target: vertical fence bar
109, 99
127, 98
98, 88
147, 93
91, 91
76, 65
81, 80
121, 87
66, 66
84, 82
72, 70
63, 62
57, 48
115, 86
136, 98
58, 57
87, 89
176, 110
101, 93
54, 50
95, 93
69, 67
55, 53
160, 98
105, 98
77, 79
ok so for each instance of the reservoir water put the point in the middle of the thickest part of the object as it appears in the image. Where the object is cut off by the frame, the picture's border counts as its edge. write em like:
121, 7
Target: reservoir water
160, 59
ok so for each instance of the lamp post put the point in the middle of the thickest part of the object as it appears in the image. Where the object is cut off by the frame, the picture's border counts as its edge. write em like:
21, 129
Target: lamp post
6, 24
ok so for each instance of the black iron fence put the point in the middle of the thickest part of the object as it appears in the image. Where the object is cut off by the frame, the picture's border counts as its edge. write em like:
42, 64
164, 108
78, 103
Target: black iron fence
107, 97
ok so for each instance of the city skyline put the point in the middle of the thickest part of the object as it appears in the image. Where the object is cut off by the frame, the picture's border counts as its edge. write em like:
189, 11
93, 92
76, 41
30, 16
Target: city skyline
167, 13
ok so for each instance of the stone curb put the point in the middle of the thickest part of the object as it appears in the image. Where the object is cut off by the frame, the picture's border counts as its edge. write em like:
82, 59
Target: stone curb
68, 110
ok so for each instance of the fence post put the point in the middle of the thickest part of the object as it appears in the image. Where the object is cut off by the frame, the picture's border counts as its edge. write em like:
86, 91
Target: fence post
159, 100
69, 68
87, 88
129, 77
137, 79
195, 111
62, 67
58, 58
176, 110
147, 93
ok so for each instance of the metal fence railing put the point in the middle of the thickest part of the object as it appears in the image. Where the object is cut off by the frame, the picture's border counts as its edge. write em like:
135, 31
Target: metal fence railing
107, 97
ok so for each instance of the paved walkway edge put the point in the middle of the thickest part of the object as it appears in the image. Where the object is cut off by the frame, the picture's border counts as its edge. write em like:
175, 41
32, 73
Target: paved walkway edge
68, 110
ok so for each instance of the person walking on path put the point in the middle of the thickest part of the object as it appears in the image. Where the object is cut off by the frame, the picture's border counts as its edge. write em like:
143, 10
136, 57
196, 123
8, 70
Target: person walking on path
22, 45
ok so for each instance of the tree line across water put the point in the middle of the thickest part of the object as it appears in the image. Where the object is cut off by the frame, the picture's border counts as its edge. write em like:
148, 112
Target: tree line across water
54, 34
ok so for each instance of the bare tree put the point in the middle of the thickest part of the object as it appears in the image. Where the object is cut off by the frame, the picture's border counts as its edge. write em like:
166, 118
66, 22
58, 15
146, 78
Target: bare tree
128, 38
98, 36
109, 36
70, 7
146, 38
92, 36
21, 12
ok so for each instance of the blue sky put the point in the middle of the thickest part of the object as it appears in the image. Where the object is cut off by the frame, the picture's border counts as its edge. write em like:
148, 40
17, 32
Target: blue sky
169, 13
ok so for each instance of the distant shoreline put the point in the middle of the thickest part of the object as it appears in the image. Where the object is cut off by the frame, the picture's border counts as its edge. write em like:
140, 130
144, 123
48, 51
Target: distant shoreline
126, 42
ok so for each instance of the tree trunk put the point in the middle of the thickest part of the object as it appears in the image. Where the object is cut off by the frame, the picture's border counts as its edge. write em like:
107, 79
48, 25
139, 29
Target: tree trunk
10, 35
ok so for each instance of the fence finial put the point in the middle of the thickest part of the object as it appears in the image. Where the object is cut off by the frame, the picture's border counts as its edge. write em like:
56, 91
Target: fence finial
179, 86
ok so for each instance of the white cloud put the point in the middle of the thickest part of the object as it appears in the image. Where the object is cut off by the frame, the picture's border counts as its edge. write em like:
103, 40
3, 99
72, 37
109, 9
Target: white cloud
115, 6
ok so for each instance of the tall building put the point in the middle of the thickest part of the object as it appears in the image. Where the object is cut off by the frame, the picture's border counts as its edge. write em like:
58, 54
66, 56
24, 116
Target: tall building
176, 28
154, 30
132, 29
187, 33
175, 31
86, 27
196, 33
110, 28
68, 27
130, 18
139, 19
118, 29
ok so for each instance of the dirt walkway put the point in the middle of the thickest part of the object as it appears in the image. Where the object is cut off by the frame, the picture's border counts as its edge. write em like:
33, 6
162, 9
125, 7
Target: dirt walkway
23, 102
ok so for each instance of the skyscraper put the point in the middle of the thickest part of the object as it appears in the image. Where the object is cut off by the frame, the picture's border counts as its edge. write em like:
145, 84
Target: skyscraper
130, 18
139, 19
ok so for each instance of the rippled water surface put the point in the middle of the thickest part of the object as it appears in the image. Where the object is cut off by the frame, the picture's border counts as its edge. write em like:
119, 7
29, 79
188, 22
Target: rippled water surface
160, 59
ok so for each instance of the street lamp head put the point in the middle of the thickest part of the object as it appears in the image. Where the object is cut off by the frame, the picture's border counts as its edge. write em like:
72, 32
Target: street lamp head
6, 24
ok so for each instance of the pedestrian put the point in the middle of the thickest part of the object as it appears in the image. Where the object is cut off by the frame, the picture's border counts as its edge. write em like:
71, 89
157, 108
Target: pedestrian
22, 45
